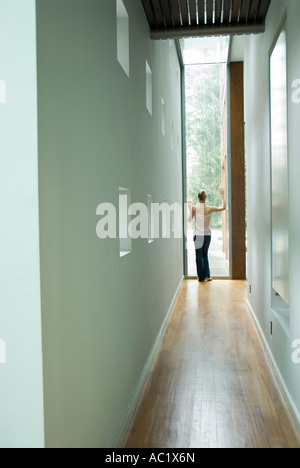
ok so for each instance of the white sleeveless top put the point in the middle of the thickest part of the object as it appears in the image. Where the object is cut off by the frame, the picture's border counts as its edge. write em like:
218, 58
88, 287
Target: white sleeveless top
202, 222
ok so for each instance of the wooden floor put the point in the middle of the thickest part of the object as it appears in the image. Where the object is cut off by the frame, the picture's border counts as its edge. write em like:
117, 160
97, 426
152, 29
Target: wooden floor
211, 385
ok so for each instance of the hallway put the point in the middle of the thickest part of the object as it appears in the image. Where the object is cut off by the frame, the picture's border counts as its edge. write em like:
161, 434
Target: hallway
211, 385
93, 171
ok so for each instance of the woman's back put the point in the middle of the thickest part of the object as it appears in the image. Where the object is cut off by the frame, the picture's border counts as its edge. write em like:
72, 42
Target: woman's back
203, 218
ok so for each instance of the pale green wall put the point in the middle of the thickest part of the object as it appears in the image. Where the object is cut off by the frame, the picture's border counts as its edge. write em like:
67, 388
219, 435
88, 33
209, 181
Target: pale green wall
21, 391
257, 49
101, 314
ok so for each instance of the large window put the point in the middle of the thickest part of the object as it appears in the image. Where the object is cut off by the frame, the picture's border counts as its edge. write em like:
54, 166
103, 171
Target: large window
279, 166
206, 141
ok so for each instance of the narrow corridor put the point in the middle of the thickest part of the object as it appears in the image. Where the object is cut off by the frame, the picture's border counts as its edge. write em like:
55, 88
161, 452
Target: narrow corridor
211, 385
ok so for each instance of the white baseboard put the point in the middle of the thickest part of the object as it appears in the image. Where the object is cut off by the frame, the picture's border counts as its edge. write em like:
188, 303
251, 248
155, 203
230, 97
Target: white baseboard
288, 396
141, 384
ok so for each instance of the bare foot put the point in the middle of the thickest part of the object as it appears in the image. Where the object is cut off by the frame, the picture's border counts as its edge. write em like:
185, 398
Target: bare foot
208, 280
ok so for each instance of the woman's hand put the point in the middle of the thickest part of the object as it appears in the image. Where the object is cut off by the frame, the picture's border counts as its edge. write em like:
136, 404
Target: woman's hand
222, 192
189, 204
190, 210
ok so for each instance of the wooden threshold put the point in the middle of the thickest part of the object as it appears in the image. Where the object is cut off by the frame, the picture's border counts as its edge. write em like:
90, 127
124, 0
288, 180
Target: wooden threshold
215, 278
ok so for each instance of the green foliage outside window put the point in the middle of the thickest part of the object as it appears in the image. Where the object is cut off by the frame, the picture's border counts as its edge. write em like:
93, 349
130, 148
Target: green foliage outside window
203, 120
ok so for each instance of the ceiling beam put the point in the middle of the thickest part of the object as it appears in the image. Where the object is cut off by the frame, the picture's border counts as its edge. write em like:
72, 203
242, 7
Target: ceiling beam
209, 11
149, 13
254, 6
165, 6
226, 11
245, 10
184, 11
236, 6
193, 13
208, 30
158, 13
201, 11
218, 11
263, 9
175, 12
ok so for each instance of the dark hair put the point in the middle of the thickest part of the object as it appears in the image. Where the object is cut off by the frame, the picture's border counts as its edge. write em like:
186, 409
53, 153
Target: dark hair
202, 196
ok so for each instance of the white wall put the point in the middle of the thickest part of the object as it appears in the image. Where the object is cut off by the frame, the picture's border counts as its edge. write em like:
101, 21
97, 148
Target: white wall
21, 392
101, 313
257, 116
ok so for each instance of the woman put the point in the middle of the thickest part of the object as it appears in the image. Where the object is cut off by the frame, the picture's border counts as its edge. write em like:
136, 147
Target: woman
202, 238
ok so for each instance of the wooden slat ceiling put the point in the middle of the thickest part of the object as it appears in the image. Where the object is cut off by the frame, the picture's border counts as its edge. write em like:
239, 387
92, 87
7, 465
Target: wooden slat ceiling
195, 18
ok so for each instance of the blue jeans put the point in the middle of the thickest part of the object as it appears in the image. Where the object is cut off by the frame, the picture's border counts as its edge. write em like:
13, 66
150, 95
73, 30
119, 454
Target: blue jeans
202, 244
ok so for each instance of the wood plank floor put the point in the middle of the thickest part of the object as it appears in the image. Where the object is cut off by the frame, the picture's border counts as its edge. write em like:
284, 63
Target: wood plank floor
211, 385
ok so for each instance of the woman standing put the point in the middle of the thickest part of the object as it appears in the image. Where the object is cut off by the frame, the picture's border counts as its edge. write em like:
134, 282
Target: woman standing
202, 236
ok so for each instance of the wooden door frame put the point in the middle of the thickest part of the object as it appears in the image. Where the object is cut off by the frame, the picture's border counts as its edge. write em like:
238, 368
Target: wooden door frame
237, 172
